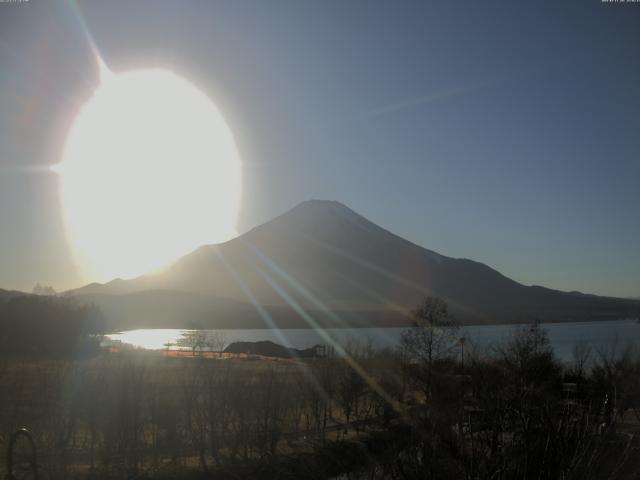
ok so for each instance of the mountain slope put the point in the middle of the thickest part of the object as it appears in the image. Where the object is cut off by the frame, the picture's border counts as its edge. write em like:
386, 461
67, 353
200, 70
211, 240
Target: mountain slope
322, 258
6, 295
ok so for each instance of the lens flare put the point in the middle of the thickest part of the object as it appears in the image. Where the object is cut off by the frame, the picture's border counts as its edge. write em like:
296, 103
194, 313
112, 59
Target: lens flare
150, 172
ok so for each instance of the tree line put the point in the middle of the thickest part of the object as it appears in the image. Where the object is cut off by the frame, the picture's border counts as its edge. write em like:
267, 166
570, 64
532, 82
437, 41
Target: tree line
42, 326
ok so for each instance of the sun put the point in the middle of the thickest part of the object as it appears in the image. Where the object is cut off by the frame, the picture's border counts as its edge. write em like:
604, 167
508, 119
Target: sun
150, 171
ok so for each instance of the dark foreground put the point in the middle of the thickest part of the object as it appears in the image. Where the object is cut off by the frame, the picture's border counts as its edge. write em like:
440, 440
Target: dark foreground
414, 413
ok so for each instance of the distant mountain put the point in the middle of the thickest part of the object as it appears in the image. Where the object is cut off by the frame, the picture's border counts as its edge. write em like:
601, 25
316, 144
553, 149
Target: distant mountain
322, 262
9, 294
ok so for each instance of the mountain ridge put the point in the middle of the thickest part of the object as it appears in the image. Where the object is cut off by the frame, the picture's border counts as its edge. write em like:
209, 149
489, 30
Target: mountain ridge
322, 257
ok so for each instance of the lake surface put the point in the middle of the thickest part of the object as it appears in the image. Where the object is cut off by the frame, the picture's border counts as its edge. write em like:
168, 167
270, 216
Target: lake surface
600, 335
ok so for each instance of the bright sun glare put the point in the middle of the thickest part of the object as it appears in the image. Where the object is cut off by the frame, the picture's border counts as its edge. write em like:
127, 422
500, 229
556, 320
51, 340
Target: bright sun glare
150, 172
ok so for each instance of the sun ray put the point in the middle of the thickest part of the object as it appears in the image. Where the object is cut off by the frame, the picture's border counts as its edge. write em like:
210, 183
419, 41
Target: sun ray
266, 317
323, 333
295, 284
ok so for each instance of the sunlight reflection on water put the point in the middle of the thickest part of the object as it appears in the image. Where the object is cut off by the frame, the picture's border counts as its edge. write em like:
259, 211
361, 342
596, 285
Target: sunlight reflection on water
601, 335
150, 339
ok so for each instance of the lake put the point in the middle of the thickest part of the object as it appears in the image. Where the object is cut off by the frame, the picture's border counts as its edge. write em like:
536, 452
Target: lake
563, 336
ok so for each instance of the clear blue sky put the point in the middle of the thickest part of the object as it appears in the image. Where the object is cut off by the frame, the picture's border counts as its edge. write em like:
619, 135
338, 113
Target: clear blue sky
506, 132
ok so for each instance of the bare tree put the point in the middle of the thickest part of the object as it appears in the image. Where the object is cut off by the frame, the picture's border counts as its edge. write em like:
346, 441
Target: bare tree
196, 341
581, 358
432, 337
216, 341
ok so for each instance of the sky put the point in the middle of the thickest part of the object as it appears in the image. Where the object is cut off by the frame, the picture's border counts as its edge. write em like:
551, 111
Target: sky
505, 132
